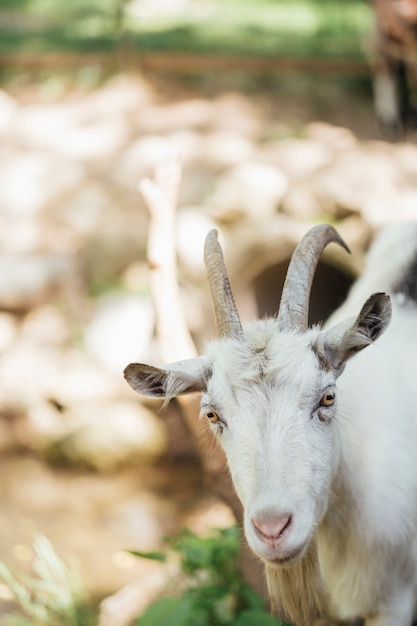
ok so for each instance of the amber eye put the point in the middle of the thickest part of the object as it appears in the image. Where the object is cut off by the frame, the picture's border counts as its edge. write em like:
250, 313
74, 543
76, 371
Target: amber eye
212, 416
328, 398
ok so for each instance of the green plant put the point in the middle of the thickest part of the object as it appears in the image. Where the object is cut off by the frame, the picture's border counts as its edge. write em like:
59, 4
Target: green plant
214, 593
52, 596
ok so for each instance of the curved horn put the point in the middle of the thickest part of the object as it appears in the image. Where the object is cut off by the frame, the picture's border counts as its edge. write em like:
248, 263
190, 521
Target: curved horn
293, 310
225, 311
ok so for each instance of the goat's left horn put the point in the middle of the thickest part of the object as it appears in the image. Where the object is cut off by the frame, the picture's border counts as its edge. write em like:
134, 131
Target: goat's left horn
225, 311
293, 310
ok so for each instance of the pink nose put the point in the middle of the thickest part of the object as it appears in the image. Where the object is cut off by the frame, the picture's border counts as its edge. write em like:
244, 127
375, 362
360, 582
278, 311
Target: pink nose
270, 528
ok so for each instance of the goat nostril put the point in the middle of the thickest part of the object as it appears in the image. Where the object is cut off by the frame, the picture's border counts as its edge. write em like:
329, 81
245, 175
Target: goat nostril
272, 528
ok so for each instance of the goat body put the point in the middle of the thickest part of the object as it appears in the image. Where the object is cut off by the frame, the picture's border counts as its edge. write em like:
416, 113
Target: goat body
320, 446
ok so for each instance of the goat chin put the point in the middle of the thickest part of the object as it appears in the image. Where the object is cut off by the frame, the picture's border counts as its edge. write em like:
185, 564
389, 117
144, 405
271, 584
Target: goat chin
297, 591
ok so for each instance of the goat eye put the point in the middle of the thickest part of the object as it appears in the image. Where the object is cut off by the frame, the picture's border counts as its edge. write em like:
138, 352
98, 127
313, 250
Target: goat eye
212, 416
328, 398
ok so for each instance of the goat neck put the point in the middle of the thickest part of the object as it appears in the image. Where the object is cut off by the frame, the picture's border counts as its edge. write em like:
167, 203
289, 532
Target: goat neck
293, 310
225, 312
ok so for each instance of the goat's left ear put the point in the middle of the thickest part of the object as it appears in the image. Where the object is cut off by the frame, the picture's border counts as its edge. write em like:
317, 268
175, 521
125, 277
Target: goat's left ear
173, 380
338, 344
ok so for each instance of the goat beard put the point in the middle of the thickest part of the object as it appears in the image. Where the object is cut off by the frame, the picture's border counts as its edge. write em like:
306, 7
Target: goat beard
297, 592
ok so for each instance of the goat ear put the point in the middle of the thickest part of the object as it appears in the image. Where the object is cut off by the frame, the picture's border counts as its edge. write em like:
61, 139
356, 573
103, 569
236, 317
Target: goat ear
176, 379
340, 343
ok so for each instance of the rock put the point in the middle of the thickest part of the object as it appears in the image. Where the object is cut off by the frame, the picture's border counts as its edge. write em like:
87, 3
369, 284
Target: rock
95, 142
41, 125
107, 436
187, 114
337, 137
20, 234
356, 179
59, 131
15, 436
120, 96
30, 180
300, 202
85, 210
196, 185
45, 325
142, 157
118, 240
120, 331
379, 212
300, 158
232, 112
225, 148
8, 331
188, 144
406, 157
8, 111
27, 281
192, 228
250, 190
33, 373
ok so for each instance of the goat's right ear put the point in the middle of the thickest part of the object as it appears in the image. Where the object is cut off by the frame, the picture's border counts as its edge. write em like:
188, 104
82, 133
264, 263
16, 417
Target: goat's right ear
176, 379
340, 343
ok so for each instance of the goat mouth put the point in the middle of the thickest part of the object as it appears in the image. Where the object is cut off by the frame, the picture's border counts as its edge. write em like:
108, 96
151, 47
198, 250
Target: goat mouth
288, 559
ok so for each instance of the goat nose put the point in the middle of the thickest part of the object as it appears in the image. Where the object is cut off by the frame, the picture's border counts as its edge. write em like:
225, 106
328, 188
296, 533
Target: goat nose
271, 528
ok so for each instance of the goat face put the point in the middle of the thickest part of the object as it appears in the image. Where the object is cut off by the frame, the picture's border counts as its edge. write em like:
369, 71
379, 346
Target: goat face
272, 406
269, 393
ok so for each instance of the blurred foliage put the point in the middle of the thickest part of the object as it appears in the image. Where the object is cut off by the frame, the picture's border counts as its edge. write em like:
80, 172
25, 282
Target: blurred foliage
215, 593
52, 596
328, 28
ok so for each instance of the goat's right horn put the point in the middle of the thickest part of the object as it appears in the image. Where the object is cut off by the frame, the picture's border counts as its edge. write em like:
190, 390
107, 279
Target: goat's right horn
225, 311
293, 310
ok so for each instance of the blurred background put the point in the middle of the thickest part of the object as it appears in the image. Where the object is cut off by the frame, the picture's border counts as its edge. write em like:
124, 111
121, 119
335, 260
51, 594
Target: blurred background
269, 106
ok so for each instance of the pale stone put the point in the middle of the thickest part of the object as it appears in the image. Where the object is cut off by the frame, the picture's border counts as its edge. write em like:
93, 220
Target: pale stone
337, 137
33, 371
192, 228
186, 114
356, 179
301, 202
9, 111
45, 325
120, 331
225, 148
105, 436
121, 95
233, 112
252, 190
86, 209
41, 125
94, 142
26, 281
30, 180
300, 157
143, 156
8, 331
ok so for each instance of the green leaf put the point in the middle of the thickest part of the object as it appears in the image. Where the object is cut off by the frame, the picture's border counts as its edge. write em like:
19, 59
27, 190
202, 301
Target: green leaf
251, 599
168, 612
153, 556
260, 618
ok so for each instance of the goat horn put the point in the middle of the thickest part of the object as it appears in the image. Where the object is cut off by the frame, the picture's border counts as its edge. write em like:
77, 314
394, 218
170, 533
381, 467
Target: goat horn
225, 311
293, 310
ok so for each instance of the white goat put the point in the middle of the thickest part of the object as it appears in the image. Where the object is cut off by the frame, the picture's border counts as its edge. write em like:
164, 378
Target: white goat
322, 456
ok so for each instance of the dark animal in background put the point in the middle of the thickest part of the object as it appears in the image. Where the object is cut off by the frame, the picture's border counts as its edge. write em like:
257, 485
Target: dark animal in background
395, 65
